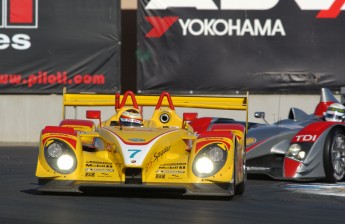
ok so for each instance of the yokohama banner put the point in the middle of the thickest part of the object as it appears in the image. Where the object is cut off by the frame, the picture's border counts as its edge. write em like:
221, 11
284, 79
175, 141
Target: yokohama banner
48, 44
225, 46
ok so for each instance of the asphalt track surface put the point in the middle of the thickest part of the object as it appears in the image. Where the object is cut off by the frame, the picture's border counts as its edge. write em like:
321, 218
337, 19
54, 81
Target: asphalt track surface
265, 201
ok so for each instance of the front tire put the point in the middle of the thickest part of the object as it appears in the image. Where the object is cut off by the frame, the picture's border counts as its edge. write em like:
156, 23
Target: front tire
334, 155
239, 189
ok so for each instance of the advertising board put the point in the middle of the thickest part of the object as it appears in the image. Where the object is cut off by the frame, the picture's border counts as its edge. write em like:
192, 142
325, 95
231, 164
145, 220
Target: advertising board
47, 44
229, 46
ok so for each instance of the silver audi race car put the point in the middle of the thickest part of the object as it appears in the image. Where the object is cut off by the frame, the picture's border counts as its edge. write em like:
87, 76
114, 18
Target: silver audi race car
302, 148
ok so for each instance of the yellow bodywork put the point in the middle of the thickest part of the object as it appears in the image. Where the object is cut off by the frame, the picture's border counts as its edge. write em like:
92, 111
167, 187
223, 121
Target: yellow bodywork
163, 152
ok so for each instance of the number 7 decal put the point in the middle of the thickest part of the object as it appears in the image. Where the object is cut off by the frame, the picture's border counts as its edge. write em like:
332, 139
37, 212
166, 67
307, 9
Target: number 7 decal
134, 152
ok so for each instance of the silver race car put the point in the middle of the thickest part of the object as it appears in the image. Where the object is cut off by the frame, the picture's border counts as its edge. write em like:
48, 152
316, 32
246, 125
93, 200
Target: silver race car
302, 148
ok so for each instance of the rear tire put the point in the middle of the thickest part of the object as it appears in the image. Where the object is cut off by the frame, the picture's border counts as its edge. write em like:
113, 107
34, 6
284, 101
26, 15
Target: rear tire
334, 155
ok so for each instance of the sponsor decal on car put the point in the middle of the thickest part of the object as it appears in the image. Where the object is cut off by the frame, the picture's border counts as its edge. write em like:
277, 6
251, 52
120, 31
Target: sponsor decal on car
174, 177
171, 171
160, 176
157, 156
173, 166
250, 140
136, 139
98, 170
99, 164
160, 154
89, 174
109, 147
305, 138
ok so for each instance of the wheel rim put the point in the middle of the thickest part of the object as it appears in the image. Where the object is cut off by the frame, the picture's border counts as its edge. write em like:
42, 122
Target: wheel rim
338, 156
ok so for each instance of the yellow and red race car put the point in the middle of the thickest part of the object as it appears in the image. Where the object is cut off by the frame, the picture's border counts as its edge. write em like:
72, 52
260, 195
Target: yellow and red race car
127, 151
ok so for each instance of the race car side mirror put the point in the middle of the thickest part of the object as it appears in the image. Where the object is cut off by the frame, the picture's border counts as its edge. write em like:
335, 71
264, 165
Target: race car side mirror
94, 114
261, 115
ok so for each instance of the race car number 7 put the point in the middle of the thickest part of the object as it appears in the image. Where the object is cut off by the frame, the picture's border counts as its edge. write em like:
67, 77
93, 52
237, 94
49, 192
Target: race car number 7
134, 152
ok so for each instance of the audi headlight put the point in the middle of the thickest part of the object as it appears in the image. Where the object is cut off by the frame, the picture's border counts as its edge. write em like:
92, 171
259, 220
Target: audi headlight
294, 150
209, 160
298, 151
60, 156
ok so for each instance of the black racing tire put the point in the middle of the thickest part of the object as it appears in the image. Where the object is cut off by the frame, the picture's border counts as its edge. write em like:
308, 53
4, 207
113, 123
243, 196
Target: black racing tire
239, 189
334, 155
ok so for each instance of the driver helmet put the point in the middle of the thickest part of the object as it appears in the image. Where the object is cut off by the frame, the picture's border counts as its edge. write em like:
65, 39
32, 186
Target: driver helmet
335, 112
131, 118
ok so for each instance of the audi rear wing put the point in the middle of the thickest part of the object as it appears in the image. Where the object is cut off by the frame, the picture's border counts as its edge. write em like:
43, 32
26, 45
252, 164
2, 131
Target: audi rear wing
202, 102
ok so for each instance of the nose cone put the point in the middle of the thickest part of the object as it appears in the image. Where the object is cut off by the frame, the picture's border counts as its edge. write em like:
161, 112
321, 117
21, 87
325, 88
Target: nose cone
290, 167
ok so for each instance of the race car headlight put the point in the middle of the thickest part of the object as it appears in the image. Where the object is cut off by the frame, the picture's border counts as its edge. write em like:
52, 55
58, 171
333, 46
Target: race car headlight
209, 160
294, 150
216, 154
60, 156
204, 165
298, 151
65, 162
54, 150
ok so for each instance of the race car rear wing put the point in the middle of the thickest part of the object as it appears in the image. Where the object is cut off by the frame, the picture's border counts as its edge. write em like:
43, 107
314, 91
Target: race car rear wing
203, 102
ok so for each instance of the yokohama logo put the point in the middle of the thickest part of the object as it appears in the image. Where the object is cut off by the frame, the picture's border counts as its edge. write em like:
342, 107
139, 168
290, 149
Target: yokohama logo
19, 14
160, 25
216, 27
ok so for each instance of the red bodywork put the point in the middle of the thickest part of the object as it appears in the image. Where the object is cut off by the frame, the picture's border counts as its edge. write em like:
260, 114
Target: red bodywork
61, 133
308, 134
